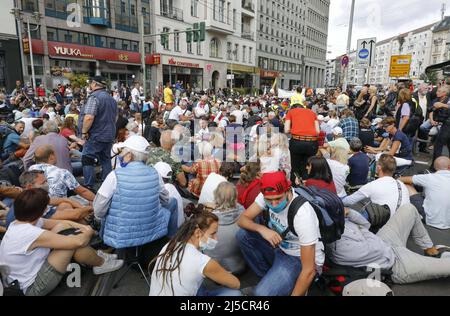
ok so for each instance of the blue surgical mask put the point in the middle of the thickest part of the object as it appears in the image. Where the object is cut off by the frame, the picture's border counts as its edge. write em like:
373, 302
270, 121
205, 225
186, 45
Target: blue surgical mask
279, 208
210, 244
123, 164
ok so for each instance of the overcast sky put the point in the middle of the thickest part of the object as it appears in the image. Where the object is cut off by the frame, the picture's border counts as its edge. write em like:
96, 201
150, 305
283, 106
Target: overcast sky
379, 18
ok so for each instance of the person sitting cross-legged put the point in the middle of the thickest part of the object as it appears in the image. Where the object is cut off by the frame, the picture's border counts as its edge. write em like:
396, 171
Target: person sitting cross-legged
37, 251
60, 180
359, 248
58, 209
287, 265
133, 204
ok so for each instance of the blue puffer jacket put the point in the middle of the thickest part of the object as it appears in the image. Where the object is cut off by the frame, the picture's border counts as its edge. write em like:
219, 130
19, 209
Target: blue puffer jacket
135, 217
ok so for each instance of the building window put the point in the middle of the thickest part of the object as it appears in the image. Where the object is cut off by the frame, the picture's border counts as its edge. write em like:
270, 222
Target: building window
214, 48
166, 45
194, 8
236, 52
250, 55
199, 48
189, 48
244, 54
229, 51
176, 41
30, 5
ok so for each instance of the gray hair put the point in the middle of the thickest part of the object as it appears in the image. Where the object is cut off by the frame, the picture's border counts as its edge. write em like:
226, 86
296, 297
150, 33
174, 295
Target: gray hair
50, 127
29, 177
205, 149
137, 156
225, 196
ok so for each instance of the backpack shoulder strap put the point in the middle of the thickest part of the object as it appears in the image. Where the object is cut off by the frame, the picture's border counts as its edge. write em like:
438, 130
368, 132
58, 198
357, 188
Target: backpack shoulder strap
296, 204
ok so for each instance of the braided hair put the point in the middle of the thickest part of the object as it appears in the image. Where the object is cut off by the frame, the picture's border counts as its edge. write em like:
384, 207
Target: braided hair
165, 265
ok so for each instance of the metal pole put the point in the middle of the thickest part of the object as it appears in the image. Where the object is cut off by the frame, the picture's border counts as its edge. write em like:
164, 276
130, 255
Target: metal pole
19, 31
349, 41
33, 77
144, 71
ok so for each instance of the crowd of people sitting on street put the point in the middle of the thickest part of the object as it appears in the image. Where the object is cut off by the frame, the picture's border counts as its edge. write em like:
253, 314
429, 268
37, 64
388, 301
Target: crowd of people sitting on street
210, 186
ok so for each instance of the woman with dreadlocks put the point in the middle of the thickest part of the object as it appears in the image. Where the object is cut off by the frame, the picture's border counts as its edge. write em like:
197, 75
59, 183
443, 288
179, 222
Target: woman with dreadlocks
181, 267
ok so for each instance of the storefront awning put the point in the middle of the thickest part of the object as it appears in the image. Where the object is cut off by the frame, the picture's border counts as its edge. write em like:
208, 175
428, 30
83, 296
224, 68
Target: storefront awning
437, 67
242, 69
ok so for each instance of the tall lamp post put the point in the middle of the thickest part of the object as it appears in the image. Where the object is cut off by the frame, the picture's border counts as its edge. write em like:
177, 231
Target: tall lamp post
349, 42
20, 16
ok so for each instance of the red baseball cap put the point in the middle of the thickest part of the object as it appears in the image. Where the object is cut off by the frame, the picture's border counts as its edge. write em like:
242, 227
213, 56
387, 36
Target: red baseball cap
275, 183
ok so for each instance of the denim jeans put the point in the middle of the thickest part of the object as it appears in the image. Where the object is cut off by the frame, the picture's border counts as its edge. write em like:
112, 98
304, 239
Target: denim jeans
442, 140
100, 152
172, 207
223, 291
279, 271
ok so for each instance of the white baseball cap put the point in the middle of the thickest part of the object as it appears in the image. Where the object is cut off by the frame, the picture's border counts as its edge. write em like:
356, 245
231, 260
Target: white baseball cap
164, 170
367, 287
338, 131
320, 118
136, 143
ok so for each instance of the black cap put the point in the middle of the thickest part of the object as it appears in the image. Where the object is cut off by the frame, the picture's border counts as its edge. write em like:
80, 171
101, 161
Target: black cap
99, 79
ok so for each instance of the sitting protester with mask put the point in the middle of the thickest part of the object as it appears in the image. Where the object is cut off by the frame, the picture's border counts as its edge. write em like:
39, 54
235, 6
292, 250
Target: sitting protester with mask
181, 267
132, 202
289, 264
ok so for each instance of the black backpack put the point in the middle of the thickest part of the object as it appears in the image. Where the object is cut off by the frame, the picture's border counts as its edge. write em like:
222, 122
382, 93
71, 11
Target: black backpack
328, 208
415, 118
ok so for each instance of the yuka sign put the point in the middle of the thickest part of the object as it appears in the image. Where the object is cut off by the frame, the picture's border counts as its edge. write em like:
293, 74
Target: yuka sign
64, 50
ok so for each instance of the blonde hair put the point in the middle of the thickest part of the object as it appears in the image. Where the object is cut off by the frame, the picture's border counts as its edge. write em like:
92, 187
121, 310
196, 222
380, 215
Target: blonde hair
225, 196
340, 155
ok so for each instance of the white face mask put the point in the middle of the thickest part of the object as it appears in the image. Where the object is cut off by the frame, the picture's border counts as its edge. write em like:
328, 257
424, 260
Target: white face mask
210, 244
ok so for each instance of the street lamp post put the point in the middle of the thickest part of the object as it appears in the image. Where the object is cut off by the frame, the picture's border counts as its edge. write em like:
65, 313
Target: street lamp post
349, 42
18, 14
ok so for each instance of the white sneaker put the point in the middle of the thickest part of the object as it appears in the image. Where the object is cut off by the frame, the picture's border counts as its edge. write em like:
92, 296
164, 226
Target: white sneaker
109, 266
106, 256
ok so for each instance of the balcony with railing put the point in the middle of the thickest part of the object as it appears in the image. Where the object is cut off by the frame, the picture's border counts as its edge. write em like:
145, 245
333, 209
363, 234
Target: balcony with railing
248, 35
172, 13
248, 8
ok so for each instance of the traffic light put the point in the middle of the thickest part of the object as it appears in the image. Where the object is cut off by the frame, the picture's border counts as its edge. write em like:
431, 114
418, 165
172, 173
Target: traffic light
202, 35
196, 32
189, 35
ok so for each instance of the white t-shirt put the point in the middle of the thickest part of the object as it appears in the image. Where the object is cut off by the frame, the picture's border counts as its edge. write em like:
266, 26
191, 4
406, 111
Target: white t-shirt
135, 95
340, 173
333, 123
239, 116
186, 280
176, 113
211, 184
173, 193
24, 265
28, 124
306, 226
437, 199
384, 191
200, 111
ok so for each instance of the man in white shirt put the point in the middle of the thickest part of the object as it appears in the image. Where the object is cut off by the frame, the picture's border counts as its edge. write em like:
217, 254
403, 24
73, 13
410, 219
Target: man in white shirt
385, 190
436, 204
135, 98
239, 115
287, 265
180, 113
202, 107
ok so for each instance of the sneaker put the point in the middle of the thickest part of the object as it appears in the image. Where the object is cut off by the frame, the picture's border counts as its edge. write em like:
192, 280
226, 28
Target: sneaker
108, 266
106, 256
